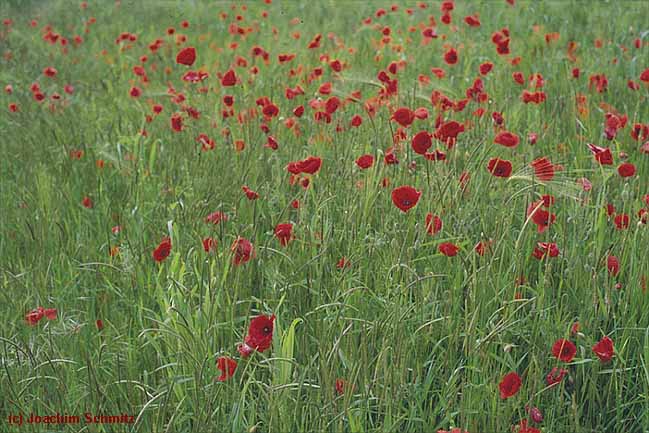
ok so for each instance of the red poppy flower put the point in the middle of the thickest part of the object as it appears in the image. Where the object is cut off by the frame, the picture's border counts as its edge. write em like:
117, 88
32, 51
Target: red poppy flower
499, 167
539, 216
176, 122
544, 249
509, 385
284, 233
33, 317
486, 67
216, 217
186, 56
209, 244
447, 132
311, 165
365, 161
449, 249
405, 197
356, 121
341, 386
162, 250
543, 168
433, 223
564, 350
555, 376
260, 335
87, 202
626, 169
227, 367
229, 79
343, 263
524, 428
403, 116
243, 251
602, 155
604, 349
252, 195
622, 221
99, 324
507, 139
421, 142
450, 56
613, 265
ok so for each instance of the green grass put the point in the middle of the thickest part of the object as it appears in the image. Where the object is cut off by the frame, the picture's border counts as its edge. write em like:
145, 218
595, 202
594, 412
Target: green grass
423, 339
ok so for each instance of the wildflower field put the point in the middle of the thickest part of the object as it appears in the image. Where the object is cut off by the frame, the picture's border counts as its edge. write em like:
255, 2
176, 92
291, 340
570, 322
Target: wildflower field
327, 216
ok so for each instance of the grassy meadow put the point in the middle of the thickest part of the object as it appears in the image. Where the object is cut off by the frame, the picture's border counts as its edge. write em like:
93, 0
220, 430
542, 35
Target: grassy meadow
444, 225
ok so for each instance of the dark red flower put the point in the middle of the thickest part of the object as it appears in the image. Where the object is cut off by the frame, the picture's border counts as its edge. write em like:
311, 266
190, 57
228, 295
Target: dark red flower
341, 386
626, 169
229, 79
433, 223
227, 367
604, 349
543, 168
243, 251
421, 142
260, 334
450, 56
507, 139
216, 217
499, 167
252, 195
365, 161
539, 216
284, 233
87, 202
613, 265
162, 250
544, 249
622, 221
186, 56
209, 244
509, 385
447, 132
555, 376
403, 116
311, 165
33, 317
602, 155
564, 350
405, 197
449, 249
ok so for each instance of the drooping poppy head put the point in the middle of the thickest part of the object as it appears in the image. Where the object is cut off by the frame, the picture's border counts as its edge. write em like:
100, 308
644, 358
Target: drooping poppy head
284, 233
163, 250
564, 350
604, 349
510, 385
243, 251
186, 56
555, 376
433, 224
405, 197
227, 366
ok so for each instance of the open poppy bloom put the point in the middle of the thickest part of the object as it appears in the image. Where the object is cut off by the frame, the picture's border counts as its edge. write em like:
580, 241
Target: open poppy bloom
186, 56
538, 214
365, 161
227, 366
405, 197
33, 317
404, 116
507, 139
543, 169
509, 385
421, 142
564, 350
163, 250
260, 335
604, 349
499, 167
602, 155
